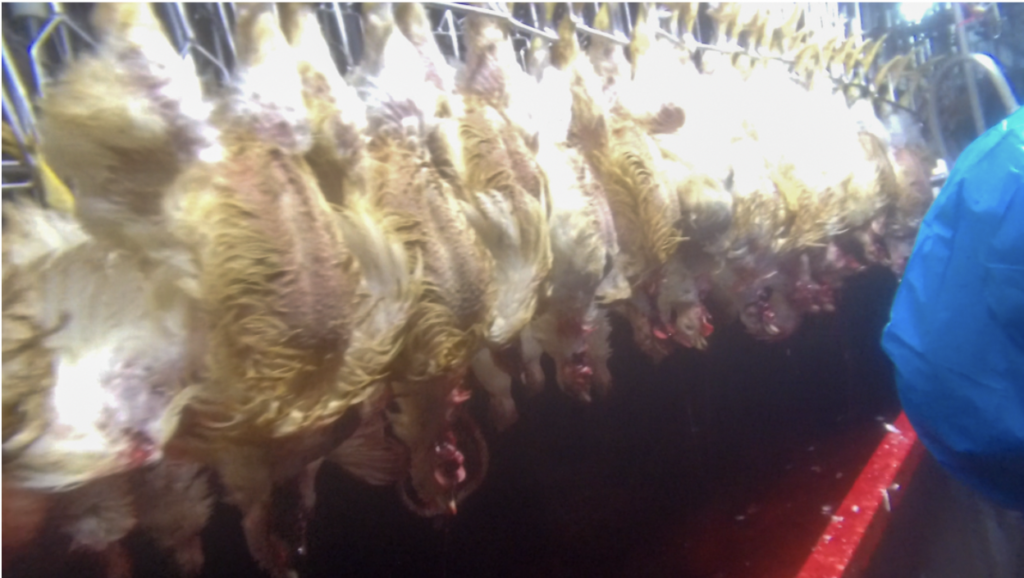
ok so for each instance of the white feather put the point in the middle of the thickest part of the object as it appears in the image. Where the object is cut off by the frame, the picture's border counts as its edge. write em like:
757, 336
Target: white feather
120, 358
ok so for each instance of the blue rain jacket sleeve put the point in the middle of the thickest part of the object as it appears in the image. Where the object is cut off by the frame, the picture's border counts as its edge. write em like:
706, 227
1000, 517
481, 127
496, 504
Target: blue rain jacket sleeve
956, 331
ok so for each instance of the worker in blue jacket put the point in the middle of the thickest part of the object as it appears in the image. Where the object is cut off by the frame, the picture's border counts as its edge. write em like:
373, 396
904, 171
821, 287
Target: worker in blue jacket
956, 333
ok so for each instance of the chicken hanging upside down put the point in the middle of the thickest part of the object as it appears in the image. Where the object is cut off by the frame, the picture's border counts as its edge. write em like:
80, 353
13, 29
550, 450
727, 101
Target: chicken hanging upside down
96, 355
570, 325
646, 210
256, 245
485, 155
279, 284
424, 394
119, 334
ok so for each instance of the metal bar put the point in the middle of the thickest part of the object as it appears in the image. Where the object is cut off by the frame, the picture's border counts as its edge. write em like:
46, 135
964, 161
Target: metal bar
999, 80
18, 186
213, 59
44, 35
192, 45
994, 74
494, 14
178, 36
24, 116
218, 45
581, 27
992, 70
226, 27
64, 41
450, 18
186, 28
339, 17
692, 44
972, 86
935, 127
12, 121
466, 9
19, 139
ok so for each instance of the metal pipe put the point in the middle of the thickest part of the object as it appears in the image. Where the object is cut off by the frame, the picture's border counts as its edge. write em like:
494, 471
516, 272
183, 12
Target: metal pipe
972, 86
999, 80
994, 74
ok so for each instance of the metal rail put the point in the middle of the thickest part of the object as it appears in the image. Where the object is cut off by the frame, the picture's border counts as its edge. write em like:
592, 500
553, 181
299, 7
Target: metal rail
507, 17
58, 21
59, 30
994, 74
972, 85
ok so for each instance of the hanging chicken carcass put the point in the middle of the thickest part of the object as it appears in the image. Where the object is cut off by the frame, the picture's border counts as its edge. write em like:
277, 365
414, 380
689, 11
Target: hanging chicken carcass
571, 324
426, 391
99, 347
248, 227
644, 197
487, 154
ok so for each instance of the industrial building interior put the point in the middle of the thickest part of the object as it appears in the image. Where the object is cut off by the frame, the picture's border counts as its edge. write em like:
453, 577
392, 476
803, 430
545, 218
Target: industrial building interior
722, 454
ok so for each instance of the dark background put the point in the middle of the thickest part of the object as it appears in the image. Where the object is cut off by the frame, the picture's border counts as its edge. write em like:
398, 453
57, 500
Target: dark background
715, 463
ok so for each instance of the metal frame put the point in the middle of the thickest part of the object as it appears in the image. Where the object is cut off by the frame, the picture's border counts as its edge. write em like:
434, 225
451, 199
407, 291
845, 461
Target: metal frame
994, 74
59, 28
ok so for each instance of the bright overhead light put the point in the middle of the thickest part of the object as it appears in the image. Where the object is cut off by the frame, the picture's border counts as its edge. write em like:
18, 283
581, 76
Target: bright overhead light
913, 12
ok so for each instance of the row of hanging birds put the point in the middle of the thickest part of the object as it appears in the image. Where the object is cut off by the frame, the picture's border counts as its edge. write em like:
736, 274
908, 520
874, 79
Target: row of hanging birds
308, 268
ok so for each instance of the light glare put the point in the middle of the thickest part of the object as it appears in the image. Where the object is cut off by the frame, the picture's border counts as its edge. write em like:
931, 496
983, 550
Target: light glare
913, 12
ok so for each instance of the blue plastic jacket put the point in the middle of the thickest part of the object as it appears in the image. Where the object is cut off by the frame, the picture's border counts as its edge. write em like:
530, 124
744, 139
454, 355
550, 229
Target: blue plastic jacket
956, 332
